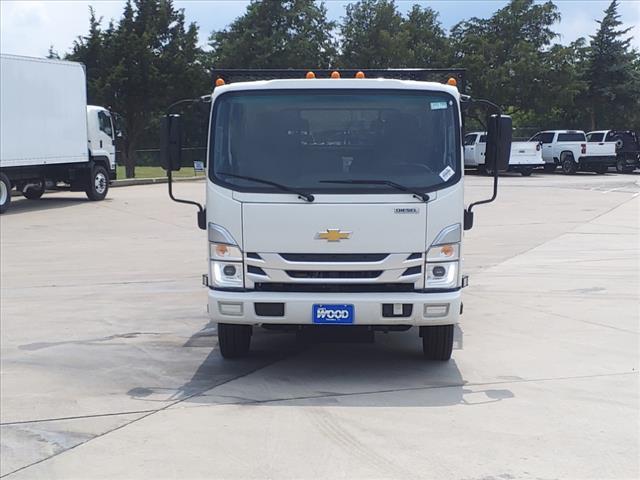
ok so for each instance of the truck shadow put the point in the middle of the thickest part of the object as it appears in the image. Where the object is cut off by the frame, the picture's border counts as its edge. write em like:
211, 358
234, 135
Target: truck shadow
21, 204
284, 372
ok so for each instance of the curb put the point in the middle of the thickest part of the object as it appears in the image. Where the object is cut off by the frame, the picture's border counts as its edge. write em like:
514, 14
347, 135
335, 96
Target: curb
150, 181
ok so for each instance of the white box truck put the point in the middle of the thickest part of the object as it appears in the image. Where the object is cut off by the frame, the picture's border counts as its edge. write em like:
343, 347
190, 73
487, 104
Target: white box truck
48, 133
336, 202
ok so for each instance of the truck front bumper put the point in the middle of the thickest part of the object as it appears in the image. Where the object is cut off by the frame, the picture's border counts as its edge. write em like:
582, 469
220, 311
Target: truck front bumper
293, 308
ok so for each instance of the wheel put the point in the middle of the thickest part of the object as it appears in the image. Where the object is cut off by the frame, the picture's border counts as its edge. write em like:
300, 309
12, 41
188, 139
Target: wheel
33, 191
601, 169
98, 183
550, 167
437, 342
569, 167
621, 166
526, 171
5, 193
234, 340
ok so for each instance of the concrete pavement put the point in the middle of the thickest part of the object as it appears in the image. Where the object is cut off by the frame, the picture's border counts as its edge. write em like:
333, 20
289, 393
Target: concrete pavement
111, 370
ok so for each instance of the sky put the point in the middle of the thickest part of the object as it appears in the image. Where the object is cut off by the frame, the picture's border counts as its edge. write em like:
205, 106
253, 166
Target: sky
30, 27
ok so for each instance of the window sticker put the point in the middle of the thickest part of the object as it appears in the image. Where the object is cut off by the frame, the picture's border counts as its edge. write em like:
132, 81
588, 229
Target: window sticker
447, 173
438, 105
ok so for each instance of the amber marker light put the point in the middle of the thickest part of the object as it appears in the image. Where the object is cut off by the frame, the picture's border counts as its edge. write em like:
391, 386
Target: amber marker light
219, 82
452, 81
360, 75
310, 75
335, 74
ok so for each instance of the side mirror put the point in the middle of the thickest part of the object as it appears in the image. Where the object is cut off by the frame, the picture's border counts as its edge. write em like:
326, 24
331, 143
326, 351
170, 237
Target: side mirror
171, 142
498, 142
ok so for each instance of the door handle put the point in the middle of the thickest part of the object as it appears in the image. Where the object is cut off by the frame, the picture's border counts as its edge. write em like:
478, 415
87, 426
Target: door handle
100, 143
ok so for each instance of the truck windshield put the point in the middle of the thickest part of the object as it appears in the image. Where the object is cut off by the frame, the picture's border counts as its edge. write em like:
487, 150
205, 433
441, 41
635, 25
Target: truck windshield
303, 139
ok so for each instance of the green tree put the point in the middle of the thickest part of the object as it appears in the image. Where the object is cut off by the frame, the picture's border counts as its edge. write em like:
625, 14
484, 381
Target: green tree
140, 66
53, 53
612, 74
373, 35
510, 59
276, 34
426, 42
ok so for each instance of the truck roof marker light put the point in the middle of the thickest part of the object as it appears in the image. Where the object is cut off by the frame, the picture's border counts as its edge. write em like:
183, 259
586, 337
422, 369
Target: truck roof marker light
360, 74
310, 75
219, 82
335, 74
452, 81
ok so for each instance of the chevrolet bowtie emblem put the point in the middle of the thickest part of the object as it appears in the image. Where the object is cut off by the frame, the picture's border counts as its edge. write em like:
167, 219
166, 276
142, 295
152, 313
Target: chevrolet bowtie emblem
333, 235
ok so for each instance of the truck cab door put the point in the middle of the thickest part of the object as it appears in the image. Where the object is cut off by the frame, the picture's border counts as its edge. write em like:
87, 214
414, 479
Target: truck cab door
547, 146
105, 138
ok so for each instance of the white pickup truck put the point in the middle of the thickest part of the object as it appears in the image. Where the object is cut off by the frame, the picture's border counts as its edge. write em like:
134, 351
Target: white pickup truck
627, 147
524, 158
570, 150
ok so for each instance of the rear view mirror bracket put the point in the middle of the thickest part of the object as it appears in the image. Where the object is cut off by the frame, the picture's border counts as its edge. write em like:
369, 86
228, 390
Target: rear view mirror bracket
497, 152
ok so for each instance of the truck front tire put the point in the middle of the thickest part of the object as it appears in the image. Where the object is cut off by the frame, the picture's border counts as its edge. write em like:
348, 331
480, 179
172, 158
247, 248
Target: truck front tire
5, 193
526, 171
234, 340
437, 342
98, 185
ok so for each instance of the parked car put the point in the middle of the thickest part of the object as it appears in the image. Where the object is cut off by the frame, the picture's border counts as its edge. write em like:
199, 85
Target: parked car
627, 147
524, 158
569, 150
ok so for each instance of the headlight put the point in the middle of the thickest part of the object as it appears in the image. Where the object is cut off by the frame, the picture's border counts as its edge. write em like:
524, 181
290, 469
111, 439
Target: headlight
227, 267
227, 274
221, 251
444, 253
442, 275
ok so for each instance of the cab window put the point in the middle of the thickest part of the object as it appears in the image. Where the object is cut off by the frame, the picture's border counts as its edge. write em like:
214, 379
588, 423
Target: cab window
470, 139
595, 137
104, 123
546, 137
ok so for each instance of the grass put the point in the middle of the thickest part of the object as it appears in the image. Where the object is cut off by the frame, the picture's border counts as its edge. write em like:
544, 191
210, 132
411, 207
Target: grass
156, 172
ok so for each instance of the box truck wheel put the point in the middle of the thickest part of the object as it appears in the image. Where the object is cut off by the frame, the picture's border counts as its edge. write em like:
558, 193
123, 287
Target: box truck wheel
437, 341
526, 171
98, 183
5, 193
234, 340
33, 191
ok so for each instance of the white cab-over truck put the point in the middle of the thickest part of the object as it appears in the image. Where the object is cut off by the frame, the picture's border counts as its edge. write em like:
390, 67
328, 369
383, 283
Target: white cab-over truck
335, 203
49, 136
627, 145
523, 158
569, 149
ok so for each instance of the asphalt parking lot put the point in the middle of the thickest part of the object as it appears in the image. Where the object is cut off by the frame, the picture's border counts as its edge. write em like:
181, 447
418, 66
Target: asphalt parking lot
111, 370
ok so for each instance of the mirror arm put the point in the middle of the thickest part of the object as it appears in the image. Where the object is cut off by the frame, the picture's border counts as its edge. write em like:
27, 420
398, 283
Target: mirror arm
469, 211
202, 218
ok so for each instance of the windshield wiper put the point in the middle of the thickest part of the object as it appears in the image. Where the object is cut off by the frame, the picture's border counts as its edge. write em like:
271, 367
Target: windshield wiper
416, 194
302, 195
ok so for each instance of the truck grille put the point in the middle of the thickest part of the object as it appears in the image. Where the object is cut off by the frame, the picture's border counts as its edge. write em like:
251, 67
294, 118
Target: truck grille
334, 274
334, 257
334, 287
337, 272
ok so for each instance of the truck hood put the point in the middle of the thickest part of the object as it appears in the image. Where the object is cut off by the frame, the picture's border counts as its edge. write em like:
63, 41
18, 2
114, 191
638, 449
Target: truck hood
334, 227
